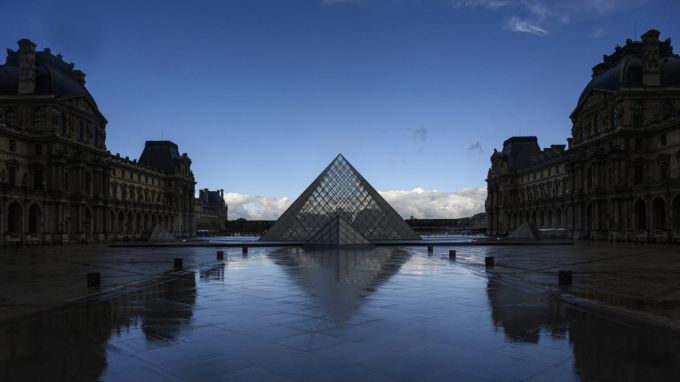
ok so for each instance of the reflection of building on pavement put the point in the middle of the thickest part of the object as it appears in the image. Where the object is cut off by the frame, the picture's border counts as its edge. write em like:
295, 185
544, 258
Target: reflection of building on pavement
80, 334
601, 349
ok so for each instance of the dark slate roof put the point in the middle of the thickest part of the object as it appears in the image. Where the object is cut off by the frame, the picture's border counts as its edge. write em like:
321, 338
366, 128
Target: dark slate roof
624, 68
53, 76
160, 155
519, 150
214, 198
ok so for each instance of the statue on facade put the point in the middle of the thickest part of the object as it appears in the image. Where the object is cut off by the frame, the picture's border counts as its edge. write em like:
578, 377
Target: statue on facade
3, 176
24, 180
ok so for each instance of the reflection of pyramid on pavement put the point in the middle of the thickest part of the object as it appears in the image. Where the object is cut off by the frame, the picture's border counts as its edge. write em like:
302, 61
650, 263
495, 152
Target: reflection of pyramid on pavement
340, 190
338, 233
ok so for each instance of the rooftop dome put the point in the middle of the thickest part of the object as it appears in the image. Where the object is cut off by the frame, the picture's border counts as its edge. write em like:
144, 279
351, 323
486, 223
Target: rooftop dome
52, 76
623, 69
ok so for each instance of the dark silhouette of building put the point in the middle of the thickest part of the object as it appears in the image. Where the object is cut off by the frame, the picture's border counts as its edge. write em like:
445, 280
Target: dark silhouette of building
58, 182
210, 210
619, 179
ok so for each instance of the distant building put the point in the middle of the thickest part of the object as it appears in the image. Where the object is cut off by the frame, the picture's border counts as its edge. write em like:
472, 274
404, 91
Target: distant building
478, 221
249, 227
620, 177
58, 182
210, 210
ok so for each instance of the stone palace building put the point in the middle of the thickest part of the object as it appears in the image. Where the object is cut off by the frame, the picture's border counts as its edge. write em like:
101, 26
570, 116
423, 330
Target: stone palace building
210, 210
58, 183
619, 179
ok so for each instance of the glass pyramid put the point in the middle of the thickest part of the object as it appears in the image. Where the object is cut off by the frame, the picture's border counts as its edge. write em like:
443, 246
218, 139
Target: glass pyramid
340, 190
338, 234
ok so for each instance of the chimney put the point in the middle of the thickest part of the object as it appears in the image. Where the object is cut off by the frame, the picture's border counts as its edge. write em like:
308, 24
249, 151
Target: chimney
650, 58
222, 193
200, 195
26, 66
206, 196
79, 76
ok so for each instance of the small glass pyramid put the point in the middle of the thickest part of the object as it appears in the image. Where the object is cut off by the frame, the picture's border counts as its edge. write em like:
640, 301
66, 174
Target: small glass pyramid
338, 234
340, 190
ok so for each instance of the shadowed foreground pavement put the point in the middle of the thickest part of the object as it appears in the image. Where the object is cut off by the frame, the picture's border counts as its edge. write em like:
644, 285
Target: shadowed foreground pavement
286, 314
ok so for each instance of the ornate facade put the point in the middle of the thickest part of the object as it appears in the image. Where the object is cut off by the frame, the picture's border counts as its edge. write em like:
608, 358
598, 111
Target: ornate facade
210, 210
58, 183
620, 177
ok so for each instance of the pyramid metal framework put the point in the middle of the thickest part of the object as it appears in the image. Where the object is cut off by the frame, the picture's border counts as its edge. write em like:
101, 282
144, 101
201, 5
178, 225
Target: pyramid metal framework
340, 190
338, 234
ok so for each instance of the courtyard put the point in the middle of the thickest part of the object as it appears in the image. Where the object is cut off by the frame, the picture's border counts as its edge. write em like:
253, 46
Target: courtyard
391, 314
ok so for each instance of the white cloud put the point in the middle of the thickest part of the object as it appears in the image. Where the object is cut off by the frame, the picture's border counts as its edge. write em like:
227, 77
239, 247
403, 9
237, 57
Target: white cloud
539, 16
418, 203
437, 204
516, 25
489, 4
256, 207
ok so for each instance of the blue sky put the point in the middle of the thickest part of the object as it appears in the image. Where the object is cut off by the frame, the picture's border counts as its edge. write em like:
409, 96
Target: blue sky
262, 95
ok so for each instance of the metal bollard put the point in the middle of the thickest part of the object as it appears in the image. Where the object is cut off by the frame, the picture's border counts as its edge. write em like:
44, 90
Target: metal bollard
564, 277
93, 279
245, 251
179, 262
430, 248
220, 255
489, 261
452, 254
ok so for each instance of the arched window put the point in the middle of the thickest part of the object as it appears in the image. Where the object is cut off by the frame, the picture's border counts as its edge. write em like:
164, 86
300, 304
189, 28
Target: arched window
638, 113
614, 121
596, 123
80, 130
583, 130
11, 117
38, 119
62, 123
667, 109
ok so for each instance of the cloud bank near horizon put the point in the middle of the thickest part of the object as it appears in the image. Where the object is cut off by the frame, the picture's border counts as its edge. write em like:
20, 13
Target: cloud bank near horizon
417, 203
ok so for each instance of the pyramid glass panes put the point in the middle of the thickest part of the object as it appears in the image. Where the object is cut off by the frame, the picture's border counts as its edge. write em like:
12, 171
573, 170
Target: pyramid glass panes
340, 190
338, 233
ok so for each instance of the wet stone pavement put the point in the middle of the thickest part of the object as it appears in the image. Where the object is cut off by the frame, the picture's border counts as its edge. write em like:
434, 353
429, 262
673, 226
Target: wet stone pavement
289, 315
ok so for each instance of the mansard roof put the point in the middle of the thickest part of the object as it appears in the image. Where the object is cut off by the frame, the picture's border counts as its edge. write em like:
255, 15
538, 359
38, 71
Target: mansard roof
52, 76
623, 68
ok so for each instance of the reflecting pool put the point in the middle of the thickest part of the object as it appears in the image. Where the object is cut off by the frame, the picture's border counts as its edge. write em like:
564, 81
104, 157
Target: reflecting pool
288, 314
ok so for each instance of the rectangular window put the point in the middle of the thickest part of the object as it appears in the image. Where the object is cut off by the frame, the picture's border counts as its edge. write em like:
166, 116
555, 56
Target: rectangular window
122, 173
38, 180
146, 179
639, 174
638, 144
38, 149
663, 171
139, 177
12, 175
131, 175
